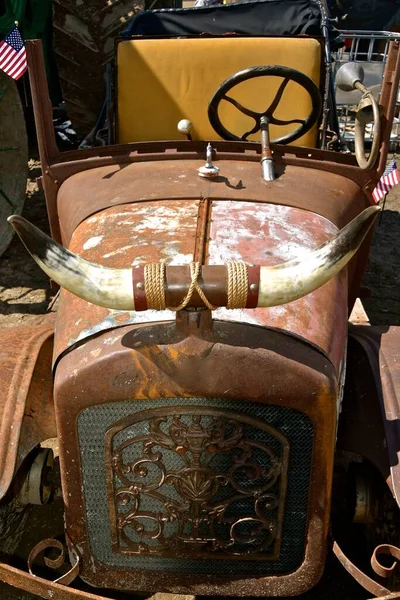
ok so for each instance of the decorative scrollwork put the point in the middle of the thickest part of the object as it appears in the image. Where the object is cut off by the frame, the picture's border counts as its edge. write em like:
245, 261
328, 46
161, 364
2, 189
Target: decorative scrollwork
56, 563
196, 481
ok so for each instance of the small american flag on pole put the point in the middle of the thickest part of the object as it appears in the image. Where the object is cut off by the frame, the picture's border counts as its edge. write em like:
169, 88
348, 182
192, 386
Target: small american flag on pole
13, 54
389, 179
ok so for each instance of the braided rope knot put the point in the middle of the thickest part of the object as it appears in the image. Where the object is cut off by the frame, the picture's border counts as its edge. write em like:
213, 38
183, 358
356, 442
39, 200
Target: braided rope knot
195, 270
154, 284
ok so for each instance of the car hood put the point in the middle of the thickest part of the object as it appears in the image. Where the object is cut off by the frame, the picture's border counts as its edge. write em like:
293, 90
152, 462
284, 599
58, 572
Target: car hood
254, 232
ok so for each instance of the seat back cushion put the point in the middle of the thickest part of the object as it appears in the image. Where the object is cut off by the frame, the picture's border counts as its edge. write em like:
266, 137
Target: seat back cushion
161, 81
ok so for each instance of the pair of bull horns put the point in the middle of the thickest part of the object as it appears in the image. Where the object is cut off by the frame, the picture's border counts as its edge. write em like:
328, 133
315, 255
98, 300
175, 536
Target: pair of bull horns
113, 288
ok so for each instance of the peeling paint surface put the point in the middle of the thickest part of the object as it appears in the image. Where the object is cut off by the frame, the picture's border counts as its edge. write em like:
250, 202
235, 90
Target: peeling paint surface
267, 235
334, 196
254, 232
121, 237
92, 242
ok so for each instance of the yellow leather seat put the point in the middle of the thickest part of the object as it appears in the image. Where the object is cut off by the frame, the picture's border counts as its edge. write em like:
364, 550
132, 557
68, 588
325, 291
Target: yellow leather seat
161, 81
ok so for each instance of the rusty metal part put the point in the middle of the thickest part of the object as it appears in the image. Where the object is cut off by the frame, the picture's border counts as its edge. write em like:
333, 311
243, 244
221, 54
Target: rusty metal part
48, 589
202, 231
42, 587
154, 231
331, 196
48, 150
388, 100
386, 550
360, 428
72, 163
45, 589
366, 582
41, 103
382, 349
191, 322
58, 562
26, 408
390, 596
267, 159
363, 110
197, 435
164, 361
36, 488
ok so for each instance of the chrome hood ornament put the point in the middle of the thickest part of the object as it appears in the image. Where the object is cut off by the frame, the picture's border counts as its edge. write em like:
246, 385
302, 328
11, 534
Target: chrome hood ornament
209, 170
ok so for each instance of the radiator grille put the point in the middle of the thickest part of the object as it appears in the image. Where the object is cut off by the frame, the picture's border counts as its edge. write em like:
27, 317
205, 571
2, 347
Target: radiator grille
208, 478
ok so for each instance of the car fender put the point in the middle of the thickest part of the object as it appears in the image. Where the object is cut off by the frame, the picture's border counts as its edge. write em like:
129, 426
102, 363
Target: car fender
26, 400
370, 420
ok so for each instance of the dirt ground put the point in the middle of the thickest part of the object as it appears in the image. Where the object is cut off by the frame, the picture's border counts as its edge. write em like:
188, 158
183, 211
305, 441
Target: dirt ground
24, 288
25, 293
382, 276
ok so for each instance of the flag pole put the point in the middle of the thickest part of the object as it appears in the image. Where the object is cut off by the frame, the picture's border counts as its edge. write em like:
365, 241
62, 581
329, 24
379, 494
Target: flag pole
383, 208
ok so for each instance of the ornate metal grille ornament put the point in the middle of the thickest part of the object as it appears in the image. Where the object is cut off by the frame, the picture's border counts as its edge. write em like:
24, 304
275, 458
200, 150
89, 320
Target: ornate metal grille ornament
194, 481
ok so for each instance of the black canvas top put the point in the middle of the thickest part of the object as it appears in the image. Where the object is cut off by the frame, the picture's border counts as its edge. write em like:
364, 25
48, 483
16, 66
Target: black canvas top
374, 15
262, 18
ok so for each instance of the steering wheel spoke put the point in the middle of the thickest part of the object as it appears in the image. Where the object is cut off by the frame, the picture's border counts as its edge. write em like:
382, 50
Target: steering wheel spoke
274, 121
256, 128
246, 111
278, 97
287, 74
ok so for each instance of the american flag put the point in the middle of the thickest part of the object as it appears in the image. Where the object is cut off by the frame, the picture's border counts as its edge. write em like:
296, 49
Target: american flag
13, 54
389, 179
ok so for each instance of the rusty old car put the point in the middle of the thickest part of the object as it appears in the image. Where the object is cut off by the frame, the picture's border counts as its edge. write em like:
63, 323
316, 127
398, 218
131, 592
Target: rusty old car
220, 421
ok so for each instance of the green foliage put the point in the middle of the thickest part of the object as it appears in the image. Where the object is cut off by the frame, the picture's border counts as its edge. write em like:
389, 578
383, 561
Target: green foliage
32, 17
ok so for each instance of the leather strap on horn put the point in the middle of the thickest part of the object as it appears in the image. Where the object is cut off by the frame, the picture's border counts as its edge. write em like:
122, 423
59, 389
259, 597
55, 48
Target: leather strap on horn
152, 287
139, 292
253, 275
195, 271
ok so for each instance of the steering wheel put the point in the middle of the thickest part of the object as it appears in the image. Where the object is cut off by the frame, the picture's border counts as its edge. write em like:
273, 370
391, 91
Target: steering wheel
288, 74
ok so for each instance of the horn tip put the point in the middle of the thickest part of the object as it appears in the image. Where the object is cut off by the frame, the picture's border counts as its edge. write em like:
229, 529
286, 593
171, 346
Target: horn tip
371, 213
32, 238
16, 220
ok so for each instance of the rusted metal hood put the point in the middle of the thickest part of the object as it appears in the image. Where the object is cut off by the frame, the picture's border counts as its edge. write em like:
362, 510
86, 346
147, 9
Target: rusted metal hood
252, 231
324, 192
